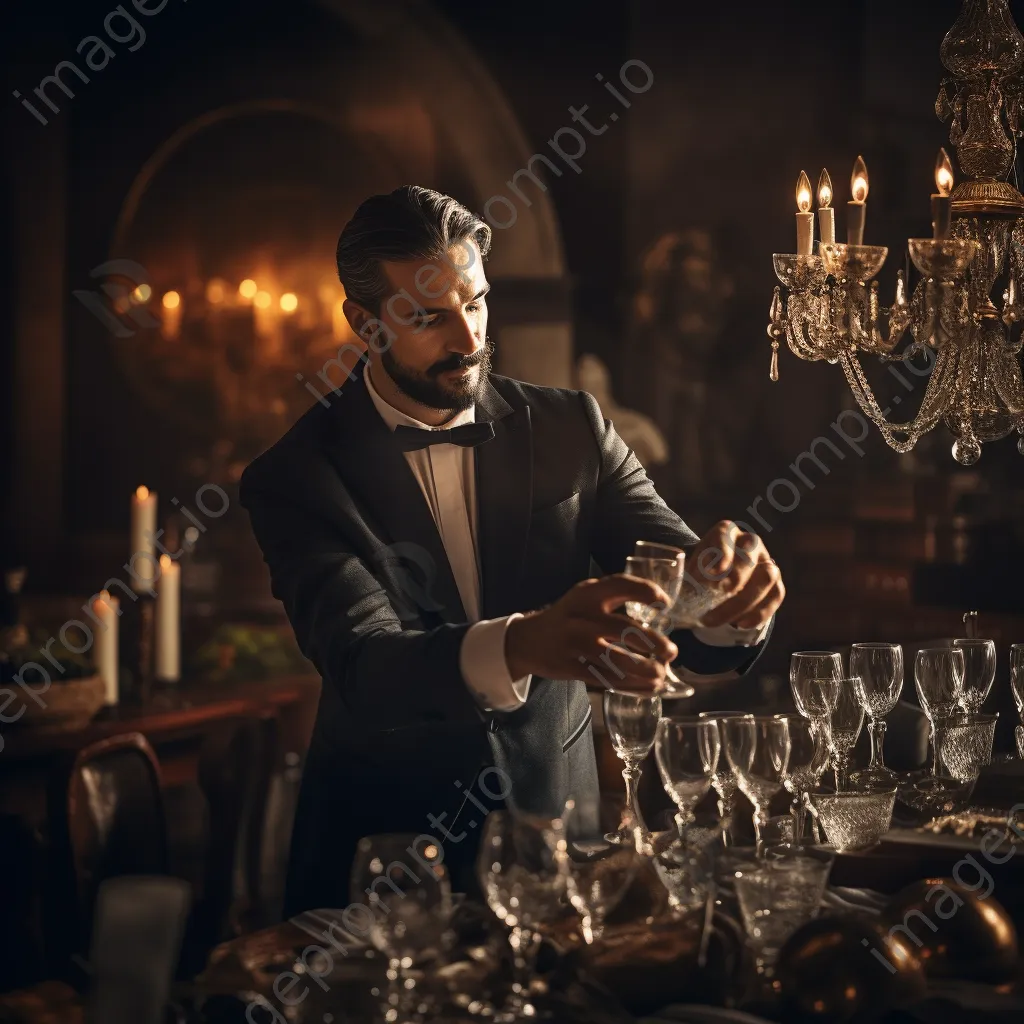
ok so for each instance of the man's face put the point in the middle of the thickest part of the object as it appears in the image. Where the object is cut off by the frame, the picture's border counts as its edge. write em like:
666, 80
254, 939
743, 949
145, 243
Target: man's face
435, 317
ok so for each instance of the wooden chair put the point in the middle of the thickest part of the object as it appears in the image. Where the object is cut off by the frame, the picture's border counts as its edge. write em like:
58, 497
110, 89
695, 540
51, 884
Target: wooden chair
115, 819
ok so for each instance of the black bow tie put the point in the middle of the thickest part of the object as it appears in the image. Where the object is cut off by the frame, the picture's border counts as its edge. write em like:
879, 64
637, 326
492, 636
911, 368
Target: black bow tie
469, 435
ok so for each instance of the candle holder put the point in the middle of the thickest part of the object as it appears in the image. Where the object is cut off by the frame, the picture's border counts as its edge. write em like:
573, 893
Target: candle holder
942, 259
138, 639
858, 263
797, 272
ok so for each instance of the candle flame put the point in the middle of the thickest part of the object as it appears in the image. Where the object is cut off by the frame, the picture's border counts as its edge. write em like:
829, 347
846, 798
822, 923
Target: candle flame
803, 193
943, 173
171, 300
247, 289
142, 492
165, 563
859, 181
289, 302
824, 189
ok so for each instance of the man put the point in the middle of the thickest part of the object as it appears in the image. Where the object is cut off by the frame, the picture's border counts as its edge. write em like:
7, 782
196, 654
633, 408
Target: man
430, 532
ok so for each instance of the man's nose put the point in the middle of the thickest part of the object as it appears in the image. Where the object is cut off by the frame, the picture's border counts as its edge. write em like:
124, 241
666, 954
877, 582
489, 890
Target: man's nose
464, 338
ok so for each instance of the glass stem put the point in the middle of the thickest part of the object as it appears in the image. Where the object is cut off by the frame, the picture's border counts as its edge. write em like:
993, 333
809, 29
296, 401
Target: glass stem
631, 773
799, 819
876, 729
760, 821
525, 947
840, 763
937, 727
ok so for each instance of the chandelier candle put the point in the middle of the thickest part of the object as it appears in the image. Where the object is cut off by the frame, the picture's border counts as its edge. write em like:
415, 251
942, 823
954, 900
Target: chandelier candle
804, 217
168, 622
942, 201
826, 215
143, 531
856, 208
105, 610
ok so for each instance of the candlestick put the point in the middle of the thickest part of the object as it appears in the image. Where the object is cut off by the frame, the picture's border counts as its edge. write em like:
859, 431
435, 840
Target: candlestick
105, 645
168, 621
826, 215
856, 208
942, 201
143, 560
804, 217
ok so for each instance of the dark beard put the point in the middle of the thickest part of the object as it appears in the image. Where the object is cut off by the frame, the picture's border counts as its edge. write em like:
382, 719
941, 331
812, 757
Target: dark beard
425, 388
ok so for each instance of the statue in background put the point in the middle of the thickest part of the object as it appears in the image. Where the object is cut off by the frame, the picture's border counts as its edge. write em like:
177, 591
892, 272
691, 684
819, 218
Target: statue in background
638, 431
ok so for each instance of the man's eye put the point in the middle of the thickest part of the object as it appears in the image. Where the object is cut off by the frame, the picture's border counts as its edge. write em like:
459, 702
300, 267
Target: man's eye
431, 321
473, 307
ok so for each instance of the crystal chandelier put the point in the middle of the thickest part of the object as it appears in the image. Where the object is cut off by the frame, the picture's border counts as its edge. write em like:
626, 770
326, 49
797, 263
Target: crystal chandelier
831, 309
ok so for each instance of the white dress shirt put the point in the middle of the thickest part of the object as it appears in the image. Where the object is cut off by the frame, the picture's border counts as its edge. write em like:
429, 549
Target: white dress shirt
446, 474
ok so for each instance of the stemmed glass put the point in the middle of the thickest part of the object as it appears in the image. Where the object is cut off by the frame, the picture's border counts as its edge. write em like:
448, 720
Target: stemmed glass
939, 678
1017, 687
979, 672
845, 724
667, 573
808, 759
522, 871
687, 752
632, 722
878, 669
724, 778
814, 679
404, 884
757, 748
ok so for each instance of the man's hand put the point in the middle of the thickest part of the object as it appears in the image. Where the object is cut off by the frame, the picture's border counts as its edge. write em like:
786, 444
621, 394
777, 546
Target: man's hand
731, 562
581, 637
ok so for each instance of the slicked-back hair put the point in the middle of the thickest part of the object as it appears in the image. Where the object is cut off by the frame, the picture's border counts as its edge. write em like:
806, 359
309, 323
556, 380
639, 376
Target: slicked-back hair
411, 223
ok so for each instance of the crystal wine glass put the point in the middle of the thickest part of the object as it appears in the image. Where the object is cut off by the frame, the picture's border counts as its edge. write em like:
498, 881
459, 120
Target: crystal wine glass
845, 724
879, 671
687, 751
967, 744
979, 672
402, 880
808, 759
724, 778
757, 748
632, 722
522, 871
939, 678
1017, 678
667, 573
814, 679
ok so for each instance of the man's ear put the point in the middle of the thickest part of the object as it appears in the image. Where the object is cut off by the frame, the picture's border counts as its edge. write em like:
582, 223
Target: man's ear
357, 316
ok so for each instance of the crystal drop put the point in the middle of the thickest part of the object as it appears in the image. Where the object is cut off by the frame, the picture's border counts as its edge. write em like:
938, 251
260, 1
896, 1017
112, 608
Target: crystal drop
774, 371
775, 312
966, 451
942, 107
901, 292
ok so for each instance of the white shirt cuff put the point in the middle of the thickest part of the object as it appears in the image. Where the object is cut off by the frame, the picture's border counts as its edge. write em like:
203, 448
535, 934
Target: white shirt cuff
485, 670
731, 636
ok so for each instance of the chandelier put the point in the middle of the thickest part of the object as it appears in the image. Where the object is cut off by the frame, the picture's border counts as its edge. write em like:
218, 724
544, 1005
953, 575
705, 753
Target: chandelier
830, 308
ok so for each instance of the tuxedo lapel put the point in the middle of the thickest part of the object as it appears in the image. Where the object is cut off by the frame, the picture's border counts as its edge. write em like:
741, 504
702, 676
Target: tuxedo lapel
504, 497
373, 467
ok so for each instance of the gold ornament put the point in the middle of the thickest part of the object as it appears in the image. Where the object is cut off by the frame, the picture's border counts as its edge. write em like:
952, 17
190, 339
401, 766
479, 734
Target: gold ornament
953, 930
845, 970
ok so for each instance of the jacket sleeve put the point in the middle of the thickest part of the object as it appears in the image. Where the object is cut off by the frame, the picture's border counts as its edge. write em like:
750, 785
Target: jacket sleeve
345, 622
628, 509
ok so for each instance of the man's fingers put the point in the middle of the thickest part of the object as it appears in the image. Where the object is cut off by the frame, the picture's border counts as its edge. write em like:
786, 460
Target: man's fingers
609, 592
623, 670
624, 632
763, 584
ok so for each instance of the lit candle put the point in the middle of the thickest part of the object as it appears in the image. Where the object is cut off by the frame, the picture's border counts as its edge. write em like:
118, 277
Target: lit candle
826, 215
142, 560
856, 208
105, 611
804, 217
247, 290
170, 315
942, 201
168, 621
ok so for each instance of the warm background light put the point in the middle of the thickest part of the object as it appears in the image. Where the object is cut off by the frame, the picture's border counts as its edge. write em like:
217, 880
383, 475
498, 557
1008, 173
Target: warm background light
803, 192
261, 300
859, 181
171, 300
289, 302
216, 292
143, 293
824, 189
247, 289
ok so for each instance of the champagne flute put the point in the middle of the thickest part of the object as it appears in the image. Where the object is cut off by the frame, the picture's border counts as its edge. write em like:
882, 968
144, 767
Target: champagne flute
939, 678
845, 724
724, 778
632, 722
879, 669
668, 574
979, 672
757, 748
808, 759
687, 751
814, 679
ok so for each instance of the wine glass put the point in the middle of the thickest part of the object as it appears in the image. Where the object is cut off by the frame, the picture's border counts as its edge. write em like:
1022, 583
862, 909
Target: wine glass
814, 679
724, 778
845, 724
808, 759
667, 573
879, 671
632, 722
939, 678
522, 871
687, 751
1017, 687
979, 672
757, 748
402, 880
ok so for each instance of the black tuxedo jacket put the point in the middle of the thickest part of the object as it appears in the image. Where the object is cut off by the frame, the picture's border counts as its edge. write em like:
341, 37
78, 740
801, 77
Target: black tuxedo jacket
358, 563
